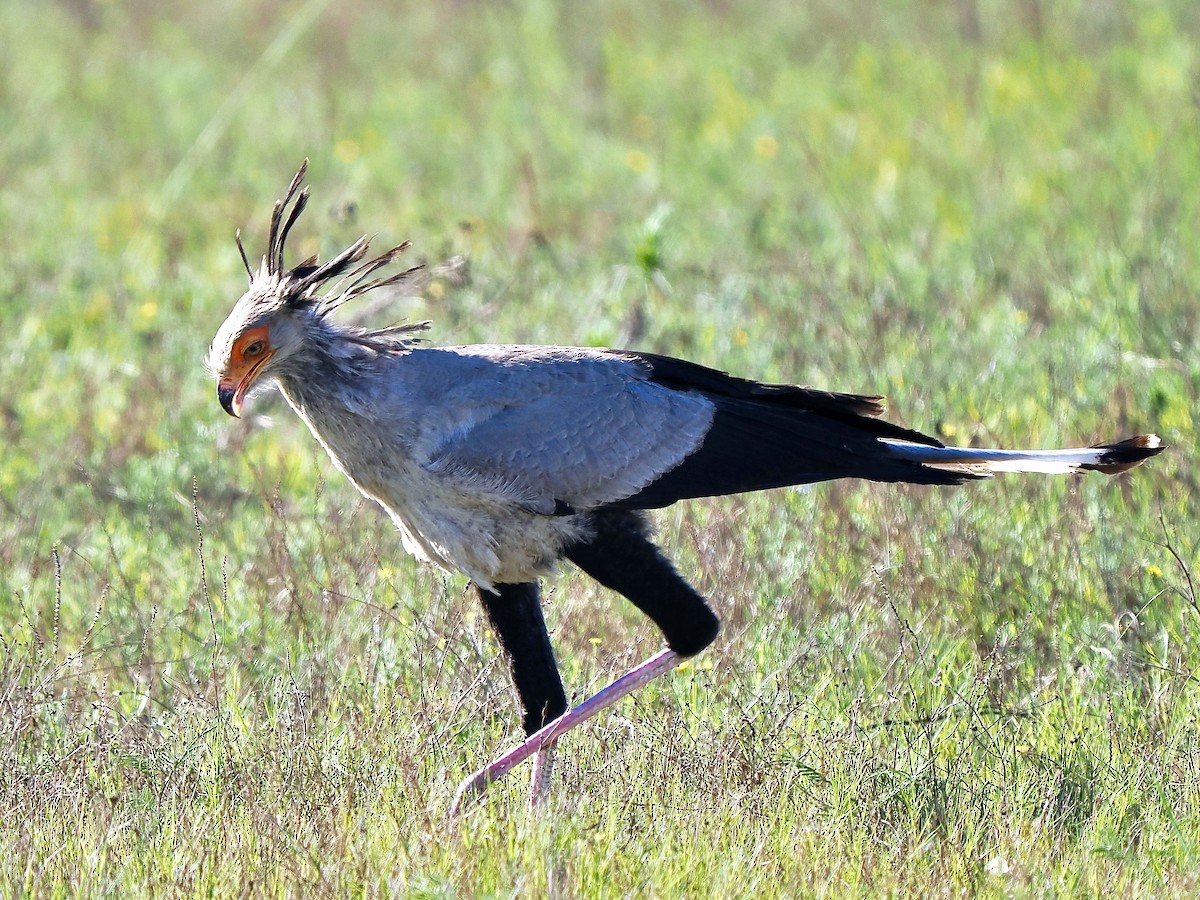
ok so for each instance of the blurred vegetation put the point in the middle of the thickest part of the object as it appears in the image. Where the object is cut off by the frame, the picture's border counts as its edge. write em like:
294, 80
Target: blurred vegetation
220, 674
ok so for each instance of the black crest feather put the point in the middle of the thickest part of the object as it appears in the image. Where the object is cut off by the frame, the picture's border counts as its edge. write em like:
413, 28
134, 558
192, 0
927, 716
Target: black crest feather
303, 282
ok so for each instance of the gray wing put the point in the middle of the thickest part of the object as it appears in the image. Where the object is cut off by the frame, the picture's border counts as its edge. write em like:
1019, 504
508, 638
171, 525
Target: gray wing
558, 426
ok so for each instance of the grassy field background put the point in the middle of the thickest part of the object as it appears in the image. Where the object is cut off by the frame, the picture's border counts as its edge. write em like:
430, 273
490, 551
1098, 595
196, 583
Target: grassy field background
219, 674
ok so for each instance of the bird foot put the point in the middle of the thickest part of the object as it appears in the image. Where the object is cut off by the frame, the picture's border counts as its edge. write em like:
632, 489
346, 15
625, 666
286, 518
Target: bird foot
541, 742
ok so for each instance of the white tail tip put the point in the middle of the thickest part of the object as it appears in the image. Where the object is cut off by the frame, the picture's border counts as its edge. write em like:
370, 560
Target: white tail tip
1107, 458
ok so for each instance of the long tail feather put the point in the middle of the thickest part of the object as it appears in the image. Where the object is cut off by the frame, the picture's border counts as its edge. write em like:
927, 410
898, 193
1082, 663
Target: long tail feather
1107, 458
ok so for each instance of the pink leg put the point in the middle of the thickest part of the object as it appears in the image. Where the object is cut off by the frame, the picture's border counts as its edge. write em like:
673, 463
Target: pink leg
539, 784
543, 739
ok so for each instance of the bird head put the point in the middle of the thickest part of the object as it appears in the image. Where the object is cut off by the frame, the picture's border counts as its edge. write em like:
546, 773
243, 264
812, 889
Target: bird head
273, 321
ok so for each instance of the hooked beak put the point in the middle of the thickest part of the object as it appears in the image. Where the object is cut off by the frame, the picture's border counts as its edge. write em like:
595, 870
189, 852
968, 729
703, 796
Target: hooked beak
231, 393
226, 394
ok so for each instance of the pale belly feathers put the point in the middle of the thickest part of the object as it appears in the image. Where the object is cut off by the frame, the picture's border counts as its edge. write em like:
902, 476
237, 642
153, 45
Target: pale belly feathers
492, 540
483, 532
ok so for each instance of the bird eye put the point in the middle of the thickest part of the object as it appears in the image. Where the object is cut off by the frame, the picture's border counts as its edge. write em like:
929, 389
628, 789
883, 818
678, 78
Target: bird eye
253, 349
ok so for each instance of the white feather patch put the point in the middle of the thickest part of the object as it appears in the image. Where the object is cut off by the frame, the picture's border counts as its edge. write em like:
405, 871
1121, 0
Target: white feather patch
980, 461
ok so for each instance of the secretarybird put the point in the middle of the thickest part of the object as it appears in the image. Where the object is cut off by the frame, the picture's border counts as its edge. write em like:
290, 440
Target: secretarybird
500, 461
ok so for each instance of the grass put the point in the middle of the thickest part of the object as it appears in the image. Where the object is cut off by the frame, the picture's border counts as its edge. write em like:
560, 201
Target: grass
219, 674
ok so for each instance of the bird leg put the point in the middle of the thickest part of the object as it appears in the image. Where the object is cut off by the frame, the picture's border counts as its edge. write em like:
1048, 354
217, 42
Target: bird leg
539, 782
515, 613
542, 741
620, 555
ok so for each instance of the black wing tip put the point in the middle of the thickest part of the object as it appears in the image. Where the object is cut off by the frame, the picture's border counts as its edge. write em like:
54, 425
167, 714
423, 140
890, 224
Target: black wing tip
1124, 455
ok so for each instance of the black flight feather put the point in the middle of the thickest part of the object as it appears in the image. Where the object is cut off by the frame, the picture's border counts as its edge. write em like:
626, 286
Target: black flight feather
772, 435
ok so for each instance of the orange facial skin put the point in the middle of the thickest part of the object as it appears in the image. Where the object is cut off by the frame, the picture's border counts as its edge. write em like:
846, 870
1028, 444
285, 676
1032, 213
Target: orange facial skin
250, 353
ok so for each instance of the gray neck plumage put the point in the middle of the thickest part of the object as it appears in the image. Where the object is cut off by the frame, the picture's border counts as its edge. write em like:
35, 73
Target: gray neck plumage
331, 372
